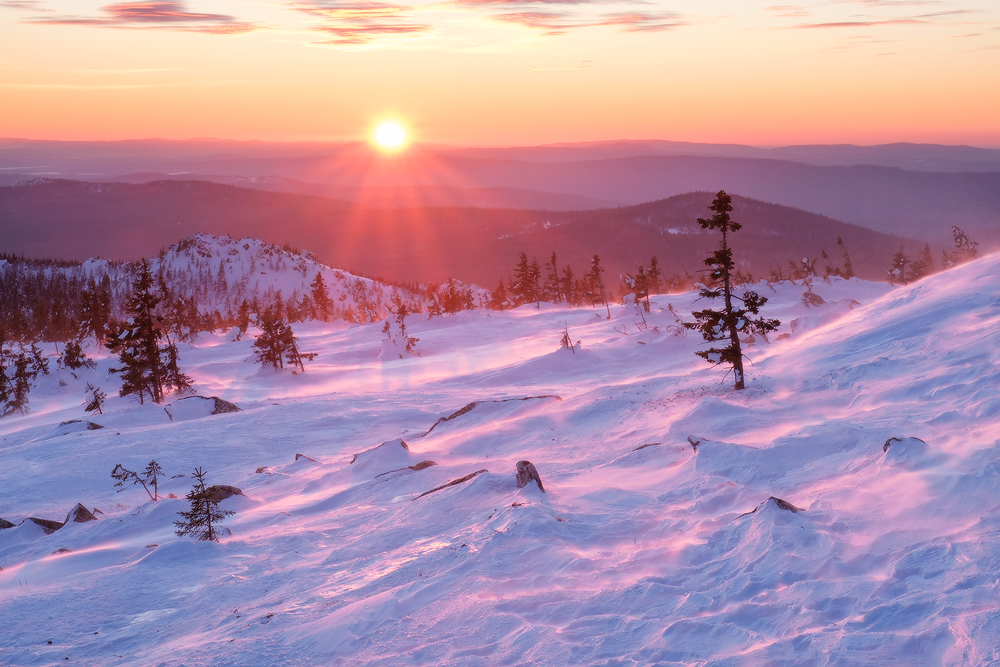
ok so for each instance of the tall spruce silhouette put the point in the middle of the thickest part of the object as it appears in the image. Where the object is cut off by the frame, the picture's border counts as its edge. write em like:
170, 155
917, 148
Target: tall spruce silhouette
727, 324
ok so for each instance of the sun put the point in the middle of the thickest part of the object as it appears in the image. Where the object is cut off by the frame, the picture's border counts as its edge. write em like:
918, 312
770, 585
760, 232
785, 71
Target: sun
389, 136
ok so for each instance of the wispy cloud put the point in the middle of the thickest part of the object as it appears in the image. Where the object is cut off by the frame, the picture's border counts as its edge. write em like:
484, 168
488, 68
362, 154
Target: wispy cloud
155, 15
361, 23
559, 23
788, 11
859, 24
28, 5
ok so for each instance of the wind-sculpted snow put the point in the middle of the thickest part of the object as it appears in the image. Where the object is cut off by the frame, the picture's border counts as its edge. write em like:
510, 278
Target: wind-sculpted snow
791, 535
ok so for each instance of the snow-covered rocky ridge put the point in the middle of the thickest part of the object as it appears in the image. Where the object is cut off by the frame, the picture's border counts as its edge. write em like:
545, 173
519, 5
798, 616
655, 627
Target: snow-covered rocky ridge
634, 555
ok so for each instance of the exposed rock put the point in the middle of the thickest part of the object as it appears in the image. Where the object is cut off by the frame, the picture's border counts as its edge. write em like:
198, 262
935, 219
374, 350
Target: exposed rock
80, 514
91, 426
198, 407
526, 473
470, 406
694, 443
890, 441
219, 492
458, 413
779, 503
453, 482
307, 458
5, 524
418, 466
648, 444
785, 505
223, 406
63, 550
48, 526
263, 470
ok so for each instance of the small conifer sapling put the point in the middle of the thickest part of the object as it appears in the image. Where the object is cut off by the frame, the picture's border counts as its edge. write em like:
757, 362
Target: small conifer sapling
202, 520
149, 477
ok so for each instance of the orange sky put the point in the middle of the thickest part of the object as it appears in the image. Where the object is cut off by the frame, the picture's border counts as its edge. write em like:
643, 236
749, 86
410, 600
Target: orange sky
492, 72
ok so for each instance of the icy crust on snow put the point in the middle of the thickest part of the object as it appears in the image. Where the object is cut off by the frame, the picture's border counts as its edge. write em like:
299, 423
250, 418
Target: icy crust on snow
643, 550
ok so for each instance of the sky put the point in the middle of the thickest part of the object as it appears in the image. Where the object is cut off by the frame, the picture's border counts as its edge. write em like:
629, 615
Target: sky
504, 72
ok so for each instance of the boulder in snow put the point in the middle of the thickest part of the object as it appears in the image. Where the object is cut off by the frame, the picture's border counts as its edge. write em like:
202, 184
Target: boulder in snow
6, 524
422, 465
307, 458
196, 407
526, 473
80, 514
219, 492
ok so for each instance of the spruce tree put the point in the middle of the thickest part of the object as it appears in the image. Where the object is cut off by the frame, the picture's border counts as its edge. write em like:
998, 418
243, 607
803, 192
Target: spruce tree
277, 344
498, 299
74, 358
595, 284
137, 344
965, 248
321, 298
525, 284
569, 286
20, 386
202, 519
727, 324
39, 364
897, 271
654, 275
95, 400
553, 285
923, 265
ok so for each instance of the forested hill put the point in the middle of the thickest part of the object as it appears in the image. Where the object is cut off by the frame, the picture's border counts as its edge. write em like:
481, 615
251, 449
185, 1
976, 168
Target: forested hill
75, 220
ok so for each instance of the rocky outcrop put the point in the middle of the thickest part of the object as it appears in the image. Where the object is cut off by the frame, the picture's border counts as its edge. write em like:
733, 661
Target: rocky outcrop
422, 465
80, 514
47, 525
526, 473
307, 458
901, 441
6, 524
779, 503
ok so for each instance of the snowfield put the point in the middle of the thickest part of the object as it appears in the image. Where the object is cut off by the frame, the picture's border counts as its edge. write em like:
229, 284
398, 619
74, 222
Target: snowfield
643, 550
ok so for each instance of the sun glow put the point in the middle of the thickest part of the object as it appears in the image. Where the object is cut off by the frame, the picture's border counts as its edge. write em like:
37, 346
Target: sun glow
389, 136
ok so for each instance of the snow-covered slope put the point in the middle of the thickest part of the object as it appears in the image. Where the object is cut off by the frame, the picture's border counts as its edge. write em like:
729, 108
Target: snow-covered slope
642, 550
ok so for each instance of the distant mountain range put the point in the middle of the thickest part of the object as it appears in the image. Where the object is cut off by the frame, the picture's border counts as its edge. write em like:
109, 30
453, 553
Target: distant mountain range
77, 220
912, 190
